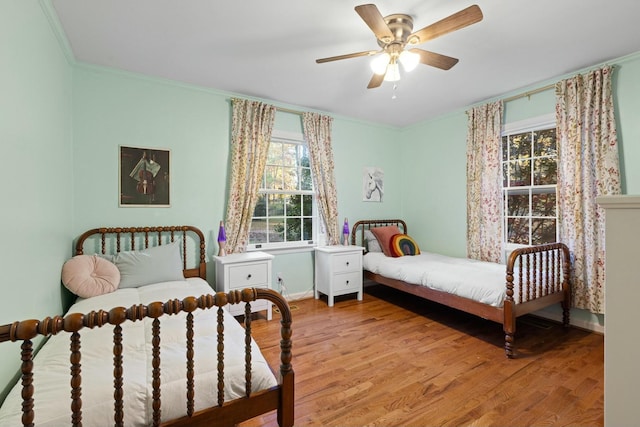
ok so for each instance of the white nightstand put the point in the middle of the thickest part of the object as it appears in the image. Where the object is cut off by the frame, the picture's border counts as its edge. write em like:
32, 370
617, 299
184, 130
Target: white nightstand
338, 271
245, 270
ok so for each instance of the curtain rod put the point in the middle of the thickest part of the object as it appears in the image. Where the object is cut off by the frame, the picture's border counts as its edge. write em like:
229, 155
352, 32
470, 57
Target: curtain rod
288, 110
529, 93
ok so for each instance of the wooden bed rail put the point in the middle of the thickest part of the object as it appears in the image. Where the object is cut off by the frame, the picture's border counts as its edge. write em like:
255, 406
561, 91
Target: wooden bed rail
73, 323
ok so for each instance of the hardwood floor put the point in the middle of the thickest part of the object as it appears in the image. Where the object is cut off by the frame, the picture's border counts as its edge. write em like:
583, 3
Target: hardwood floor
393, 360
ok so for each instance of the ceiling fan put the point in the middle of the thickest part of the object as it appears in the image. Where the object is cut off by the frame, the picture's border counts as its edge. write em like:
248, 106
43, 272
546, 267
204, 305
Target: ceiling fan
394, 34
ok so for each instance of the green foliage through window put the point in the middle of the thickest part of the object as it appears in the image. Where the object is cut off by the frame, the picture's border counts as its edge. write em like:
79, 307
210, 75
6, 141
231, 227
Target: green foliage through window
529, 177
284, 211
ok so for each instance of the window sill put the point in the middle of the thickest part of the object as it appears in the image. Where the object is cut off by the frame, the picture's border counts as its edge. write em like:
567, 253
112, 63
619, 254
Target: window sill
284, 250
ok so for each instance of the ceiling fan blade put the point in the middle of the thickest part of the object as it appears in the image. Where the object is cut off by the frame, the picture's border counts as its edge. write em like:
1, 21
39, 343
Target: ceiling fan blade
375, 81
347, 56
435, 59
374, 19
457, 21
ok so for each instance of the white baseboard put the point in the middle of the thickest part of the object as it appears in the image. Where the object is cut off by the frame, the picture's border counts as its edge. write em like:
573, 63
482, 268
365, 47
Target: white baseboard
299, 295
578, 323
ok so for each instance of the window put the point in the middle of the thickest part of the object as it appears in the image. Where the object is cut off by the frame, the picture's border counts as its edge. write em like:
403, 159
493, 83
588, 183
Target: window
285, 213
529, 177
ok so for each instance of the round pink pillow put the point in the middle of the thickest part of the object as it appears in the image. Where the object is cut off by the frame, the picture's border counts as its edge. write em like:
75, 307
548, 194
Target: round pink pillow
90, 276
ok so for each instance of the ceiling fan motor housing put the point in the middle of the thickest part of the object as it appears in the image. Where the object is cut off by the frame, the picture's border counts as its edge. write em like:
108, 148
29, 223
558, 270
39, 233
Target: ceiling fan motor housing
401, 27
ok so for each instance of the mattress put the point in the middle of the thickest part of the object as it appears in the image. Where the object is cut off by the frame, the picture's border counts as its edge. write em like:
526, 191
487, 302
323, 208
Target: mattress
52, 375
480, 281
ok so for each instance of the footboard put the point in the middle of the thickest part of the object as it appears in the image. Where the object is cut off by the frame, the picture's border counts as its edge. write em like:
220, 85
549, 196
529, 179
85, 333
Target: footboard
220, 412
536, 277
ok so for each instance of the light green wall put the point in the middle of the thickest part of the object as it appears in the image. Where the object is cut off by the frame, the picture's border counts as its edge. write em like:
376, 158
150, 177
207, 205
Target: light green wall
434, 184
114, 108
36, 173
627, 98
435, 208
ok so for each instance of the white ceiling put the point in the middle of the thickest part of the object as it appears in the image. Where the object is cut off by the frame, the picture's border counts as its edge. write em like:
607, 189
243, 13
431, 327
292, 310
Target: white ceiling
267, 49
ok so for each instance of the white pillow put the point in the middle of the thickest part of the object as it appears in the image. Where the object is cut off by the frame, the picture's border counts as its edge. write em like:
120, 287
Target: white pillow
90, 275
371, 242
152, 265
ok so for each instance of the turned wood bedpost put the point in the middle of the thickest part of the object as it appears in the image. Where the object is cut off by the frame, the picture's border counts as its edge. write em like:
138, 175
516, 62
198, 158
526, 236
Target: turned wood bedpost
509, 325
566, 288
287, 376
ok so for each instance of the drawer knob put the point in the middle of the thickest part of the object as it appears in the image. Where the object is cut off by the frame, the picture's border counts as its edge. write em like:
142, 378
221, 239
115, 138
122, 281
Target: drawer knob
248, 276
347, 282
347, 263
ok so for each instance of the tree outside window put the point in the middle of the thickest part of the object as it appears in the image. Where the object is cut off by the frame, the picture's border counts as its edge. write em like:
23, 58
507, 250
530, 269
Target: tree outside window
529, 165
284, 212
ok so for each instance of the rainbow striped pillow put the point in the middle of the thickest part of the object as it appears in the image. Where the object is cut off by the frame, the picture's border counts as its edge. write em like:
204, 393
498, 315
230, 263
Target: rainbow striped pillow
402, 244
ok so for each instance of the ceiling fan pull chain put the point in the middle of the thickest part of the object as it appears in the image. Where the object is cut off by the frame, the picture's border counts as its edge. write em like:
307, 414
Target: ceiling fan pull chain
395, 86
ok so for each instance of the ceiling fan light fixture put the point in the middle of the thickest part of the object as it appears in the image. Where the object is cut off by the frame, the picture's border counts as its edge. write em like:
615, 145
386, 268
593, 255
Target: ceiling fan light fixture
379, 64
393, 73
409, 60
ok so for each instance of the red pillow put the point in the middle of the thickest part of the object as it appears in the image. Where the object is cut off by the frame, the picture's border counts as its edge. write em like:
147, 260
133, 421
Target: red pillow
384, 235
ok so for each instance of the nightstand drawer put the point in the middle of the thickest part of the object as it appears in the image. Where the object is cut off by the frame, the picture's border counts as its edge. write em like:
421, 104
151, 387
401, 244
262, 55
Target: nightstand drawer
346, 262
347, 282
248, 275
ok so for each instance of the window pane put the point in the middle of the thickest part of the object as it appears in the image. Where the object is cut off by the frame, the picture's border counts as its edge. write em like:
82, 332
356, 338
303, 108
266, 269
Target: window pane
274, 155
307, 205
290, 154
293, 229
276, 204
518, 231
273, 176
545, 143
261, 206
543, 204
517, 204
276, 229
307, 231
290, 179
294, 205
258, 231
543, 231
303, 155
505, 152
505, 174
520, 146
545, 171
306, 181
520, 173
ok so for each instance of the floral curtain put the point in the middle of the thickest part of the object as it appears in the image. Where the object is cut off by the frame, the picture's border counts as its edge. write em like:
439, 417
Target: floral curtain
484, 182
588, 167
317, 133
251, 126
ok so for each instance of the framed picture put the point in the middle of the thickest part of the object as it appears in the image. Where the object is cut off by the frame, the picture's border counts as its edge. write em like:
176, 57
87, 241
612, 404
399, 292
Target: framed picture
372, 184
144, 176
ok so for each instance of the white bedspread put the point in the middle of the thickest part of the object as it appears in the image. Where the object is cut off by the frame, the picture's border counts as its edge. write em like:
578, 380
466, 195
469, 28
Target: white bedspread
477, 280
51, 378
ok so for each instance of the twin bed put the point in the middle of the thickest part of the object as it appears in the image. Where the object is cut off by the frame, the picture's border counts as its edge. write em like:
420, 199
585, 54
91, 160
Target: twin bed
156, 350
533, 278
161, 350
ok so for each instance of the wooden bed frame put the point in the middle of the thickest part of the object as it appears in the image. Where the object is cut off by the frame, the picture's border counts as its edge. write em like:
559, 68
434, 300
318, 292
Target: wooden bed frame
221, 413
543, 276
